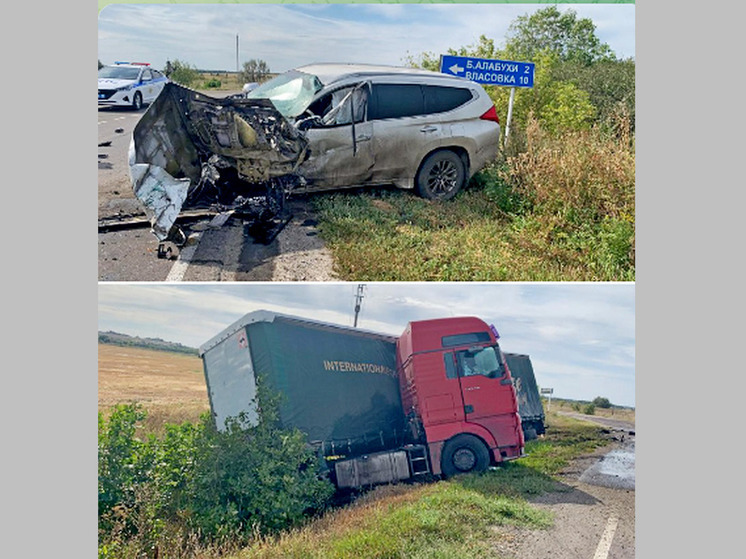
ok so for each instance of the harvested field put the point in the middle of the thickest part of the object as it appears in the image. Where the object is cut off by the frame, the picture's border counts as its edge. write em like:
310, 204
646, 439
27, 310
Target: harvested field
169, 385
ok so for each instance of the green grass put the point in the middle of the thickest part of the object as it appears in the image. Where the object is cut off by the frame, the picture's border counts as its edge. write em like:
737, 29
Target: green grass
446, 519
561, 210
388, 235
459, 517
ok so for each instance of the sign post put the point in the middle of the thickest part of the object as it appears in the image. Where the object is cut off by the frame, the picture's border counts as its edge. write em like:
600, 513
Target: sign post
487, 71
548, 392
510, 114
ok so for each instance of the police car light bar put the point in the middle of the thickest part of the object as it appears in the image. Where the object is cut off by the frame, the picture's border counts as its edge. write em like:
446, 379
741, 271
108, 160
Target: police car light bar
134, 63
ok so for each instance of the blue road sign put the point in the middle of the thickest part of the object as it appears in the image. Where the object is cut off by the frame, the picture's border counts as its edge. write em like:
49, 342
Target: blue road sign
488, 71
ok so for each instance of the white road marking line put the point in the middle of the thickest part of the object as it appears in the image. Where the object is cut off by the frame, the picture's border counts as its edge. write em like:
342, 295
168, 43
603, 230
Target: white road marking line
178, 270
102, 122
604, 545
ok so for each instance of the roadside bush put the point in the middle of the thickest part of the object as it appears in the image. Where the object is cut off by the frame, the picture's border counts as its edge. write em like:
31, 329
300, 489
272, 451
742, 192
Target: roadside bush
143, 482
600, 402
182, 73
255, 479
610, 85
195, 487
569, 109
120, 458
212, 83
589, 409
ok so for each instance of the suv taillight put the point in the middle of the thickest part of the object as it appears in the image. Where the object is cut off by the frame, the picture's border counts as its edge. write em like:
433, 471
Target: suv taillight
491, 115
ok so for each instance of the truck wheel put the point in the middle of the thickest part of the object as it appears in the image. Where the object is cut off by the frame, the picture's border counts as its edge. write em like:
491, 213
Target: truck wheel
462, 454
441, 176
529, 434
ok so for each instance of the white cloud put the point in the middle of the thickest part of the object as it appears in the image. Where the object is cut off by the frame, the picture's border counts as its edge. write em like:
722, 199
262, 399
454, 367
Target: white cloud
287, 36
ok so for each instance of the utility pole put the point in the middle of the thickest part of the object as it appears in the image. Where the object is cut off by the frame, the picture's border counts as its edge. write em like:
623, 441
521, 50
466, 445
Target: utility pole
236, 53
358, 300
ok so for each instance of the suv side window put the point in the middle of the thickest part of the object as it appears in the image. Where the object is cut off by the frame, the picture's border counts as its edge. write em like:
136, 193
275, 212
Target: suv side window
340, 106
396, 101
439, 99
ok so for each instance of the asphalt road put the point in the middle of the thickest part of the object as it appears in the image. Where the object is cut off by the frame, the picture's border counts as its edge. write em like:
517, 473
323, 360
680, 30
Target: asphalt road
593, 509
216, 250
115, 193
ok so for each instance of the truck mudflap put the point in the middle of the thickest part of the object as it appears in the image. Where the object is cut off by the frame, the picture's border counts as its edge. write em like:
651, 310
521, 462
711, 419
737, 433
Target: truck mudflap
192, 151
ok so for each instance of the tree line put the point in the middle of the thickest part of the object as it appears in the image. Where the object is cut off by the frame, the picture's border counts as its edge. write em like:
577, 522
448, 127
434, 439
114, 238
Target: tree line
115, 338
186, 74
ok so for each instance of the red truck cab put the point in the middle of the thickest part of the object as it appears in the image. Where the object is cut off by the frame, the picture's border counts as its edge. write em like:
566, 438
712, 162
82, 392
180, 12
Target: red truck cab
457, 391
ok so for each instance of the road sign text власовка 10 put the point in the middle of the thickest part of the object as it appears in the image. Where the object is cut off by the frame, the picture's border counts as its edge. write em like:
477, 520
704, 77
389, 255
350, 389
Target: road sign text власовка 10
486, 71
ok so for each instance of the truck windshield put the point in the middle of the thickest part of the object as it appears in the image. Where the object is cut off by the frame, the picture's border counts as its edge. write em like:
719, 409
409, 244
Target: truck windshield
290, 93
486, 361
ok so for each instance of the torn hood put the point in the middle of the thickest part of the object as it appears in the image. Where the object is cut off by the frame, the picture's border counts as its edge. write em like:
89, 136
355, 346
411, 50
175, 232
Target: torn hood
193, 151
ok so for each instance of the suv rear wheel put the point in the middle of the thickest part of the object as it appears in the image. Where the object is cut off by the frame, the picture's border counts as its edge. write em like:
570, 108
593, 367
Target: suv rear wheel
441, 176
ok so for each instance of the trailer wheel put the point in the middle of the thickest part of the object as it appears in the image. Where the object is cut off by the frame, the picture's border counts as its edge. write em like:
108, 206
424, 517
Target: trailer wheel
464, 453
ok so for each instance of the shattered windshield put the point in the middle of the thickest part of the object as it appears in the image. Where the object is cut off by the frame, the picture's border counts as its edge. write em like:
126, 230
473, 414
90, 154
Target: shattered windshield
119, 72
290, 93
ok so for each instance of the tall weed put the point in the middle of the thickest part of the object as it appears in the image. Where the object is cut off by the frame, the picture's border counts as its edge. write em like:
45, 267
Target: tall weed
576, 176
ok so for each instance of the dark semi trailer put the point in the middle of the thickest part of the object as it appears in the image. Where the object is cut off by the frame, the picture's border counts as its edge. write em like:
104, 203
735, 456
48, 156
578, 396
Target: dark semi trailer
438, 399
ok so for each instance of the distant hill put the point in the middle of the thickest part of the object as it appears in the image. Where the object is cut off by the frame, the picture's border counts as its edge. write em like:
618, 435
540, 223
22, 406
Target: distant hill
116, 338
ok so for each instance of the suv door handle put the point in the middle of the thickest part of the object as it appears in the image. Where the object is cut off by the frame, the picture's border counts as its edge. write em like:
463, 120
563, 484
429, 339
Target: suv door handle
429, 128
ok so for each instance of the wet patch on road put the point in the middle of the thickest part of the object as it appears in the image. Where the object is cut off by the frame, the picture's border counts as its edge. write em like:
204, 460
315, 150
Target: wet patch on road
615, 469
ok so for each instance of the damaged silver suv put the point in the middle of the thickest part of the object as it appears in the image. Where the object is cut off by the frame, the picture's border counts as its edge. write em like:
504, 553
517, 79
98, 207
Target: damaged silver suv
318, 127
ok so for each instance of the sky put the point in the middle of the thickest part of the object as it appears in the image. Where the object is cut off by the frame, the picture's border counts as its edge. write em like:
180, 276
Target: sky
580, 336
286, 36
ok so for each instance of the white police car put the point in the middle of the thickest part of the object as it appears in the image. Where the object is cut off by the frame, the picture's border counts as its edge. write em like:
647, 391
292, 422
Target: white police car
126, 84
